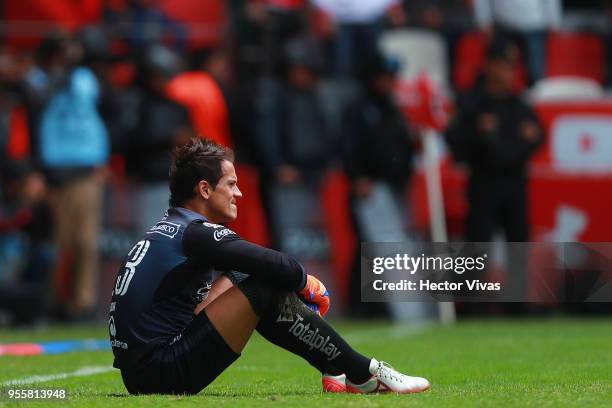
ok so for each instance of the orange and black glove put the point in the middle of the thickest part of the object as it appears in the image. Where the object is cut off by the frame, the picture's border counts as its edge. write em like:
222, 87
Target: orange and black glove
315, 295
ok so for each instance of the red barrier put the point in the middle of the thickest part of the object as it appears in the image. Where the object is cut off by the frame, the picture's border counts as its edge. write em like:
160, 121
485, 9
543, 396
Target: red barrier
550, 112
571, 181
570, 207
335, 202
575, 54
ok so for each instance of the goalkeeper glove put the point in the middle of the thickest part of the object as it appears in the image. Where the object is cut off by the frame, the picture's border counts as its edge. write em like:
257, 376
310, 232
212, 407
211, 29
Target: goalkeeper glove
315, 295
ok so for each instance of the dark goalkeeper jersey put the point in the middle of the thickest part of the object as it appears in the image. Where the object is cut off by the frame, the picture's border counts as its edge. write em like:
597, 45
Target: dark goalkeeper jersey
171, 269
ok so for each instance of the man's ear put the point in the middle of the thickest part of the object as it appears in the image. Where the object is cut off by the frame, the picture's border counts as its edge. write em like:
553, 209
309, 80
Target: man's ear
204, 189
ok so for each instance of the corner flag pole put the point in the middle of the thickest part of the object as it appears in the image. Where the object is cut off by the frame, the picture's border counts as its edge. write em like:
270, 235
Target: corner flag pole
435, 202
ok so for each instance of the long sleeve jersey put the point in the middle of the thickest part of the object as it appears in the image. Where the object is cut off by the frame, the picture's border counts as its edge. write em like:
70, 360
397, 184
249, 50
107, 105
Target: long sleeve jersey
171, 269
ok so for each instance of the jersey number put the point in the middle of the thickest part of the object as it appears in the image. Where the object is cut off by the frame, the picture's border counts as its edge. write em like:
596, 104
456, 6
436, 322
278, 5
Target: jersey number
136, 255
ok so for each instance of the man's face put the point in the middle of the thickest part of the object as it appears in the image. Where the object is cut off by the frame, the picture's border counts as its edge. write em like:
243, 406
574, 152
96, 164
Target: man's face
500, 73
222, 200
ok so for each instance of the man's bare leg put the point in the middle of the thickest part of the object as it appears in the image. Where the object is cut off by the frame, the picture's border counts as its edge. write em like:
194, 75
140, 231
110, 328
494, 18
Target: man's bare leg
232, 315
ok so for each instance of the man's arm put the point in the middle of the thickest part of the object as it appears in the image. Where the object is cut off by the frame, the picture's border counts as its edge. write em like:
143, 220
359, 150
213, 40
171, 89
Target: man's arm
461, 133
226, 250
510, 152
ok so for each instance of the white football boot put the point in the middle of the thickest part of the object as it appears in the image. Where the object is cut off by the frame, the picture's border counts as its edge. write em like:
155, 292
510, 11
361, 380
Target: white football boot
386, 379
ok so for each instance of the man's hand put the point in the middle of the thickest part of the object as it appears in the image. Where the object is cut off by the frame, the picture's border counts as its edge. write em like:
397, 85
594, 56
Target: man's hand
529, 131
487, 123
315, 295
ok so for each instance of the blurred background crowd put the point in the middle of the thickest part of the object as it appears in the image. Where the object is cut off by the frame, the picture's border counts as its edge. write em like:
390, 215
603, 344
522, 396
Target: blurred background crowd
322, 101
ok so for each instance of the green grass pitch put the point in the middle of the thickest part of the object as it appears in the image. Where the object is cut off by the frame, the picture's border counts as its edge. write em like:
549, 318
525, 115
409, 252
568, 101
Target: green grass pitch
539, 363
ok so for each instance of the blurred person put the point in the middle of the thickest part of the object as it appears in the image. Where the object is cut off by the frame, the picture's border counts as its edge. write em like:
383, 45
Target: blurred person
15, 138
282, 21
97, 55
378, 150
377, 141
192, 292
495, 133
293, 135
221, 107
355, 27
26, 225
116, 98
259, 30
73, 149
27, 252
157, 124
203, 90
142, 23
219, 64
294, 142
246, 20
524, 21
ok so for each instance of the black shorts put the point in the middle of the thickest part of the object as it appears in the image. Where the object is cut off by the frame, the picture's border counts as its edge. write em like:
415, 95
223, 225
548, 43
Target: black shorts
184, 366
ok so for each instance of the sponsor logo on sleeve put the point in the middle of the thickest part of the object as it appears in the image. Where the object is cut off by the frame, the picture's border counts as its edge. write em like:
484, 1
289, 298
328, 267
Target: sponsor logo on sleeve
218, 235
166, 228
220, 232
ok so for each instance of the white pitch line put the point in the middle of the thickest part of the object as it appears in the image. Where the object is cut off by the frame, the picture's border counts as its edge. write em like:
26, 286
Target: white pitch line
81, 372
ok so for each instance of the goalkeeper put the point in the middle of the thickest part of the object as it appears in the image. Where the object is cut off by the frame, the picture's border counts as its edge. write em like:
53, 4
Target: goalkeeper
181, 313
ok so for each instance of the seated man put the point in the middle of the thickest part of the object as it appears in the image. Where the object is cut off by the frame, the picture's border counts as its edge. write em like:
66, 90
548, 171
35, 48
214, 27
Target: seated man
174, 327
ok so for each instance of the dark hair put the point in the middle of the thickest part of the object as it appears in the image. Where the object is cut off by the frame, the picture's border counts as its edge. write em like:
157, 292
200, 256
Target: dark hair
199, 159
502, 49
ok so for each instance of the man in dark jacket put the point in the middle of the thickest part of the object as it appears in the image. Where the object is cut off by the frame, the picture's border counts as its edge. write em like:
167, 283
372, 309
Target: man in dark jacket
156, 125
377, 147
495, 133
377, 143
